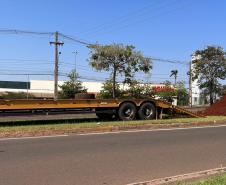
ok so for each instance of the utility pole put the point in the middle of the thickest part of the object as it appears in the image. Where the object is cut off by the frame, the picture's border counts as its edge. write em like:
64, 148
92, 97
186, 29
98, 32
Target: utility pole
190, 86
56, 64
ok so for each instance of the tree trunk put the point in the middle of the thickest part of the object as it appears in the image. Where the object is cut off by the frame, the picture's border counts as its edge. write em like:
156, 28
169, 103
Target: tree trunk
211, 98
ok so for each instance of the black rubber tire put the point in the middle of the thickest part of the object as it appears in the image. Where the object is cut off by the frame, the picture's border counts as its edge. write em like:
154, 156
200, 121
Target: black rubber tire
127, 112
147, 111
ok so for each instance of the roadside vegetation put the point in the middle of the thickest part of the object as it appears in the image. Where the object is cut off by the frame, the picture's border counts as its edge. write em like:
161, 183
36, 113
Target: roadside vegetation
17, 95
32, 125
216, 180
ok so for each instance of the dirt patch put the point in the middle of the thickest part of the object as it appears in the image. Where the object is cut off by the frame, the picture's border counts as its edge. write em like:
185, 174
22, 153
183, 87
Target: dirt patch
217, 109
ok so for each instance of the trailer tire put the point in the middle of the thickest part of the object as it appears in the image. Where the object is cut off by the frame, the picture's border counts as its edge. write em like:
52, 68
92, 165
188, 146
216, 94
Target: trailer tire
127, 112
147, 111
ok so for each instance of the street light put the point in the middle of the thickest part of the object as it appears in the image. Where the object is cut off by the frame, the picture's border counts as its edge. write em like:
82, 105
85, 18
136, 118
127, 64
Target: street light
75, 52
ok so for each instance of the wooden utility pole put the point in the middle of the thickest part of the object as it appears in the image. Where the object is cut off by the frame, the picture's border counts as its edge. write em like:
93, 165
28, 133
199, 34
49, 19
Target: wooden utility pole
56, 64
190, 86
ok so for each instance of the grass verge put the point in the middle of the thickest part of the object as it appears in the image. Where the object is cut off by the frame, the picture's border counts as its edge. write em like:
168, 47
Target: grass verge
32, 125
216, 180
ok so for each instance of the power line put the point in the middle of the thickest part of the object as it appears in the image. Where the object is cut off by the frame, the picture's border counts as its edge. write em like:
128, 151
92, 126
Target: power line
24, 32
170, 61
42, 35
29, 60
132, 18
73, 39
147, 19
120, 17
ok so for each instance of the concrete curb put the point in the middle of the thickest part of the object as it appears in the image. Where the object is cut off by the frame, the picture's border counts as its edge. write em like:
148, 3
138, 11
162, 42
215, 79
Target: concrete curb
190, 177
107, 129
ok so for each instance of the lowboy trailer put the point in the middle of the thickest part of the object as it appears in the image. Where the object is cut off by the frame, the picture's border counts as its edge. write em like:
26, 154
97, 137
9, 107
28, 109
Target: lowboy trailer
124, 109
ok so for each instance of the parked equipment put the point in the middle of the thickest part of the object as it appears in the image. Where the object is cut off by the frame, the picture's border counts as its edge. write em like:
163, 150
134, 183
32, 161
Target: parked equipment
124, 109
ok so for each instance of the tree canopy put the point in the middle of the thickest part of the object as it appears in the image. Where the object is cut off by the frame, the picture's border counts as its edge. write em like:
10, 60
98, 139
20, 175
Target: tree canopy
209, 68
118, 59
71, 87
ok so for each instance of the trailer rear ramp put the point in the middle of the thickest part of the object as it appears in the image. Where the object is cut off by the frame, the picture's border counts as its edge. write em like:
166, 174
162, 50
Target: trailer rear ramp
176, 111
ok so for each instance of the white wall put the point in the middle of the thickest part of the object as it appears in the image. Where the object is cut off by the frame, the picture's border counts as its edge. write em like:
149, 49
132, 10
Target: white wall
49, 85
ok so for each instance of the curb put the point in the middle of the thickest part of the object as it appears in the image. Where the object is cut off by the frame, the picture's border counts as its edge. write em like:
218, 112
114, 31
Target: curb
184, 178
108, 129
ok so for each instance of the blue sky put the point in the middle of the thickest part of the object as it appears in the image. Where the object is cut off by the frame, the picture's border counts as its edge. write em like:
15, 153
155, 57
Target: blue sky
154, 27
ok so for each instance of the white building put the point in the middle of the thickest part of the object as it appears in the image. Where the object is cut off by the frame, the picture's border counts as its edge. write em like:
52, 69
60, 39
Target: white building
196, 98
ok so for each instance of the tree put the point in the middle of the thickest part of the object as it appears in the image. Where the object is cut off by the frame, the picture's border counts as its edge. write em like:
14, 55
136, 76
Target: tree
166, 93
106, 91
209, 68
118, 59
182, 93
174, 73
71, 87
140, 91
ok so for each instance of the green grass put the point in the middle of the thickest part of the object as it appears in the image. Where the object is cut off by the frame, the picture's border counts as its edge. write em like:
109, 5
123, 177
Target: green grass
216, 180
89, 123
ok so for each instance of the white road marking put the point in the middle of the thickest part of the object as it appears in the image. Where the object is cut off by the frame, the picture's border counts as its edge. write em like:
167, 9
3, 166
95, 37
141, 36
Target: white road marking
99, 133
40, 137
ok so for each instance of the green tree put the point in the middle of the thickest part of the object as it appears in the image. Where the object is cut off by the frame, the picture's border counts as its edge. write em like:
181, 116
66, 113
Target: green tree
71, 87
140, 91
118, 59
106, 91
174, 73
182, 93
166, 93
209, 68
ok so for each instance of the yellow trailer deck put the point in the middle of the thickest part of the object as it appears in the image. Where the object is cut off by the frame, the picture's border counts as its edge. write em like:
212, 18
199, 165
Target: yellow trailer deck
125, 109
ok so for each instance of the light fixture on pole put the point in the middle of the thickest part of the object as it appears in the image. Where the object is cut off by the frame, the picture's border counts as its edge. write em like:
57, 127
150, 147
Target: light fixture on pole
75, 52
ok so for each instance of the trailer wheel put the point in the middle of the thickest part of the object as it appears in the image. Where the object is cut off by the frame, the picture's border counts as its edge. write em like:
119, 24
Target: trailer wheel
127, 112
147, 111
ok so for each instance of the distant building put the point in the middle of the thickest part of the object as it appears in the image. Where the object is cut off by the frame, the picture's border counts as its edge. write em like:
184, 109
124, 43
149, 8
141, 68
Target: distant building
196, 96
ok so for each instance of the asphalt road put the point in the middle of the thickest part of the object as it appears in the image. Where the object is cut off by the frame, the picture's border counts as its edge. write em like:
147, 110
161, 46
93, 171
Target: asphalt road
111, 158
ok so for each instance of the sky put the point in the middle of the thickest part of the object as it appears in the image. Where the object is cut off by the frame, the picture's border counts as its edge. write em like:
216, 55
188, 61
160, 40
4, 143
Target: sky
169, 30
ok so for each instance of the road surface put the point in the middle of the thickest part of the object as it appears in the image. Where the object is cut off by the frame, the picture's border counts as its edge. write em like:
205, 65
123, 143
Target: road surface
111, 158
